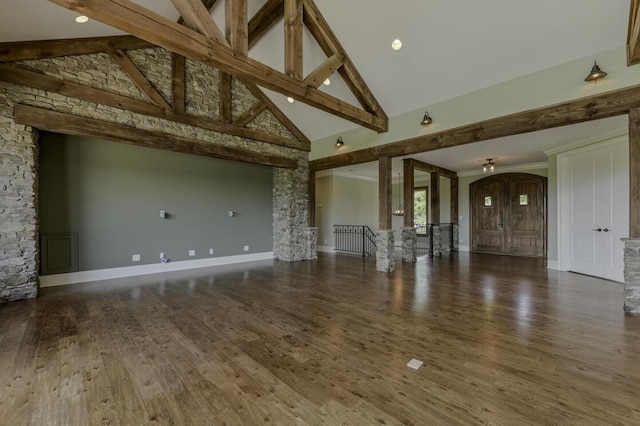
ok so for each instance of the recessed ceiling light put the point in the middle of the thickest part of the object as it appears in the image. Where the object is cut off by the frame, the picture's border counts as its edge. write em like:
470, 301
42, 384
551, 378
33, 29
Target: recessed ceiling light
290, 99
82, 19
327, 82
396, 44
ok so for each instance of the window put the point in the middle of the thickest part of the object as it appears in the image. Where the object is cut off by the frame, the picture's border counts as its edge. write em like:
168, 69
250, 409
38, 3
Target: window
487, 201
420, 207
524, 200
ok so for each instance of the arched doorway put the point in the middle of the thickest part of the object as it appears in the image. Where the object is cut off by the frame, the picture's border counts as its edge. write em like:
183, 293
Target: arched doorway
509, 214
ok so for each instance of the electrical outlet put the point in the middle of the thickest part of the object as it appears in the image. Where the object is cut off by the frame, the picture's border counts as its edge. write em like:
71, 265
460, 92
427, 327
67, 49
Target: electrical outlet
192, 252
246, 248
135, 258
161, 255
210, 251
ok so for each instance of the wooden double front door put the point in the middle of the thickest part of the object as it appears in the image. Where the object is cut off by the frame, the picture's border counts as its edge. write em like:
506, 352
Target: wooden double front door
509, 214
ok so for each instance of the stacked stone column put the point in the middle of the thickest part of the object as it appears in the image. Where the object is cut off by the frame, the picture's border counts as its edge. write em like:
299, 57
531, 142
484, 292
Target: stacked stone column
385, 256
632, 276
409, 245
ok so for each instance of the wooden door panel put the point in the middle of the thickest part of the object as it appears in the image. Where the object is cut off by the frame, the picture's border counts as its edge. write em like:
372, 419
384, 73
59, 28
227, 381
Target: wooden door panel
488, 229
514, 221
526, 228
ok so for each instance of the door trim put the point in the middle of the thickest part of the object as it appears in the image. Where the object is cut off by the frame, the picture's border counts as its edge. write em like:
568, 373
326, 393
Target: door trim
564, 192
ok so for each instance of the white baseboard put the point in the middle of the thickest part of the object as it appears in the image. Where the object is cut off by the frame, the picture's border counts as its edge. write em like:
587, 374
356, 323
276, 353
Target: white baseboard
553, 264
132, 271
463, 248
327, 249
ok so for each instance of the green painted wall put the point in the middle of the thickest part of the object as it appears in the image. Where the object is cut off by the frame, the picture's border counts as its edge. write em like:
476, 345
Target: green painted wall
111, 194
344, 201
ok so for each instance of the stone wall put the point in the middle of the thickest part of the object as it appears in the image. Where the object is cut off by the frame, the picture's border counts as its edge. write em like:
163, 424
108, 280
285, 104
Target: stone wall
385, 251
19, 151
632, 276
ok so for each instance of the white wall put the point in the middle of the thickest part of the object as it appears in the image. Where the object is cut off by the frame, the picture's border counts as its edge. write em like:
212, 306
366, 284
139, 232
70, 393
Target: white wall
344, 201
547, 87
349, 201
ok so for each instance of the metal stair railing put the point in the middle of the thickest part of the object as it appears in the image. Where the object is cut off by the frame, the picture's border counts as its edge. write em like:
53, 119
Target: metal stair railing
355, 239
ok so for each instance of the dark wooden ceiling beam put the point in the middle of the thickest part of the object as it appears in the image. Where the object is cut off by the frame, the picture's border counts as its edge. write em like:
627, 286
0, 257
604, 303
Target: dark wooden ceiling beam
197, 17
130, 69
236, 26
293, 38
69, 124
143, 23
633, 33
270, 13
41, 49
225, 104
324, 71
42, 81
277, 112
208, 4
249, 115
430, 168
609, 104
330, 45
178, 83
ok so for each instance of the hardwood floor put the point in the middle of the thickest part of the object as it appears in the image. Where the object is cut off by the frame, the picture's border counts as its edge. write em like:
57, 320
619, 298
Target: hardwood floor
504, 342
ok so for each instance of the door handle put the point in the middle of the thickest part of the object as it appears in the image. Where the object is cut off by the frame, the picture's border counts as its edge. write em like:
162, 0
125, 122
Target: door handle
606, 229
599, 230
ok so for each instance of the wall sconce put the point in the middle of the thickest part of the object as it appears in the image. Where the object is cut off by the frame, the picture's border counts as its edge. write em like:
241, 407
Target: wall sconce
339, 142
595, 74
426, 120
489, 166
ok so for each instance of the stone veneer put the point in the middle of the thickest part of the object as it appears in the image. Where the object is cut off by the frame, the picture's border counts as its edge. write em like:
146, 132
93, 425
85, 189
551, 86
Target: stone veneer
632, 276
19, 152
385, 251
409, 245
311, 234
437, 240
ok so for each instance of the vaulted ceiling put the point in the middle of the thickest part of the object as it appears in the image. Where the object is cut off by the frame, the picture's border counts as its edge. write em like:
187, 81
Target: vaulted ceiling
450, 48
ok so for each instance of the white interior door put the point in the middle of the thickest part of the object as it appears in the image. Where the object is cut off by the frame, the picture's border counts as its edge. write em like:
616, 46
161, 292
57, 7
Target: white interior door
615, 210
596, 196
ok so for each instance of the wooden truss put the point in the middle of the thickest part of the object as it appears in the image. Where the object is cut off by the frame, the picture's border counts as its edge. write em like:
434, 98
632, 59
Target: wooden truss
200, 39
633, 34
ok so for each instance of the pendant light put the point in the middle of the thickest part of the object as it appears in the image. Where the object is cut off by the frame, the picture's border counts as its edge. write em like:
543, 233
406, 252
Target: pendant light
426, 120
399, 211
595, 74
489, 166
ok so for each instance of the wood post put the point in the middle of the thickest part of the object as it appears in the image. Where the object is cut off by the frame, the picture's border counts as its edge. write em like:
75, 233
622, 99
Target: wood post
435, 198
178, 86
312, 198
408, 184
634, 173
384, 193
454, 200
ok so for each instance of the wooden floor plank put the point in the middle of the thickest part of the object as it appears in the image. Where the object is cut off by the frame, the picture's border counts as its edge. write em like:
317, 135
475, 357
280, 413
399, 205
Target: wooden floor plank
504, 341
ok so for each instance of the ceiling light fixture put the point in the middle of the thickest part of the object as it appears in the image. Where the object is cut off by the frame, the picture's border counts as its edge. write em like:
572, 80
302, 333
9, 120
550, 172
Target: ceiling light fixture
396, 45
327, 82
81, 19
489, 166
595, 74
290, 99
399, 211
426, 120
339, 142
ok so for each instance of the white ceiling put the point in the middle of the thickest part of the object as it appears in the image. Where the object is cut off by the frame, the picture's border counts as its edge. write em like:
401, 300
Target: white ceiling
450, 48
